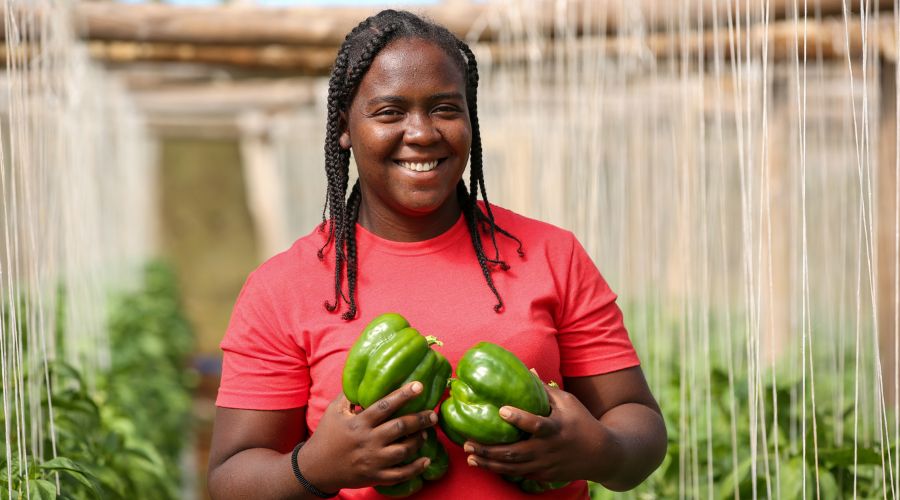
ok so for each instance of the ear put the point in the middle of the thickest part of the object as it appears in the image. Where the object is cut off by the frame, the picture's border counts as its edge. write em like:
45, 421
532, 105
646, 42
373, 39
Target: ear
344, 139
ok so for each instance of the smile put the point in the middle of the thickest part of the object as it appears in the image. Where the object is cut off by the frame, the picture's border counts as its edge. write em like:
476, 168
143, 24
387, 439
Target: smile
419, 166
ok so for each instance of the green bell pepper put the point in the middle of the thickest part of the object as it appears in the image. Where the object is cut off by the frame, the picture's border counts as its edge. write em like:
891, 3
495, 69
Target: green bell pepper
534, 486
388, 354
434, 450
488, 377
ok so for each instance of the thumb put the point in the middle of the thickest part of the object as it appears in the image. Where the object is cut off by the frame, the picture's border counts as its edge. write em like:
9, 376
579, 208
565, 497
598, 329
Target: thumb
341, 405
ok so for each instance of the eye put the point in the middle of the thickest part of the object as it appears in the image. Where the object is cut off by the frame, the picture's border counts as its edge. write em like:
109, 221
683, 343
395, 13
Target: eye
447, 109
387, 115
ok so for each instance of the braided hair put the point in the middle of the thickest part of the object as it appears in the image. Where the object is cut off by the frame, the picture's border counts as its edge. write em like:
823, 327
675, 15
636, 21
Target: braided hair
355, 56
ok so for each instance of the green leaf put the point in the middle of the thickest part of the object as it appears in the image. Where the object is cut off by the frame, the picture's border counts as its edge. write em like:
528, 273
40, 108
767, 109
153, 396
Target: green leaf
791, 483
844, 457
737, 476
828, 487
63, 464
41, 489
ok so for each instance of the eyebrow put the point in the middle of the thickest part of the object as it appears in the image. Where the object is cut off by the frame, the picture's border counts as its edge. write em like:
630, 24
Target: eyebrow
396, 99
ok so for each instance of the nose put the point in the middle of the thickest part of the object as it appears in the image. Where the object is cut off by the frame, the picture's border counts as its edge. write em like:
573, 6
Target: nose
420, 130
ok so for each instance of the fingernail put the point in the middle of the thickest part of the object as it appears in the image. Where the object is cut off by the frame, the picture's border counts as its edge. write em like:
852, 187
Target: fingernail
471, 461
469, 448
433, 417
416, 386
505, 413
424, 435
427, 462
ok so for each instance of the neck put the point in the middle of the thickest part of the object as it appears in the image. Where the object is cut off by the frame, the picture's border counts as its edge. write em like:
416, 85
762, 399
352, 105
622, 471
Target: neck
395, 226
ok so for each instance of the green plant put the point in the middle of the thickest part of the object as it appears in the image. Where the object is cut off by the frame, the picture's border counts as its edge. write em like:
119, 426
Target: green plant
119, 437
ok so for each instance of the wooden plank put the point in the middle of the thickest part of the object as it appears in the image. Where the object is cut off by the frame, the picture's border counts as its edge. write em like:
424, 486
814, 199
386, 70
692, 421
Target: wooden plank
827, 36
886, 232
308, 60
327, 26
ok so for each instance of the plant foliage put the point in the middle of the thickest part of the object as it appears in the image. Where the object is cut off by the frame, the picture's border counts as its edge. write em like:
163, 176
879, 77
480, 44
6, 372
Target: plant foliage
121, 436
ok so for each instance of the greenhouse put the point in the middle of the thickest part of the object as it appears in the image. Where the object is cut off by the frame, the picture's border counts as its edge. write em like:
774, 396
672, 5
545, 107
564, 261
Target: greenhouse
730, 166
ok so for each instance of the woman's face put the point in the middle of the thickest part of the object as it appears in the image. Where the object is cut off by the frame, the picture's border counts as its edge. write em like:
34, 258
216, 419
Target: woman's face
409, 129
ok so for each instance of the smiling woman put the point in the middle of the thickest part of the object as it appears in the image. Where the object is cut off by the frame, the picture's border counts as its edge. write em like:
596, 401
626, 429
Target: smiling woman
413, 238
410, 132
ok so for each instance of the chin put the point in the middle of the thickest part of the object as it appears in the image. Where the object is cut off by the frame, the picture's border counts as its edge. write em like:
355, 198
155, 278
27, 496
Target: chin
424, 207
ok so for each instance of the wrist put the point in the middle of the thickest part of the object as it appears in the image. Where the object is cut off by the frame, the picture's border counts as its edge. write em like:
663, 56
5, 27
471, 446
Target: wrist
309, 475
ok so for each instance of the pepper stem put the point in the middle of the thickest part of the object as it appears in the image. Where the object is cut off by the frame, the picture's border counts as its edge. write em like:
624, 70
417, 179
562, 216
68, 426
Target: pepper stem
432, 340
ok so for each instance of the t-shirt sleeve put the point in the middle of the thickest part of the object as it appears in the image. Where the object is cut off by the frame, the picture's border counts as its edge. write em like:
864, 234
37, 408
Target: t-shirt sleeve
262, 367
591, 331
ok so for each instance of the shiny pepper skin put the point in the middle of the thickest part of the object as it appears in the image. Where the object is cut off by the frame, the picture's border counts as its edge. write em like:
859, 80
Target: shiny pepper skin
388, 354
434, 450
488, 377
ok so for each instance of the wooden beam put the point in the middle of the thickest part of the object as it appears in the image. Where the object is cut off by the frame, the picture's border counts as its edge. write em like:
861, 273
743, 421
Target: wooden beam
827, 36
226, 98
327, 26
309, 60
886, 225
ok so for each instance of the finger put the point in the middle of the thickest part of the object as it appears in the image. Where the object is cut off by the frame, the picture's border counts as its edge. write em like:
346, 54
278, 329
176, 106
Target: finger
406, 425
404, 472
401, 451
511, 469
555, 395
382, 409
514, 454
529, 422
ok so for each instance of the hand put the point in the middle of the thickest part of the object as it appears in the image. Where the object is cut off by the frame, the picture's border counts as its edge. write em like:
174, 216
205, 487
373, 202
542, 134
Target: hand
564, 446
366, 448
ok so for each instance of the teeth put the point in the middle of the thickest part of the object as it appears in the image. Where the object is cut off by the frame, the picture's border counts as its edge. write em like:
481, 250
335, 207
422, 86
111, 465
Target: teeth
418, 167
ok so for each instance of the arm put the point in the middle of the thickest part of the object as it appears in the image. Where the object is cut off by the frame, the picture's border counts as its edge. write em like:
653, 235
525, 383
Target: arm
606, 429
250, 456
629, 419
251, 450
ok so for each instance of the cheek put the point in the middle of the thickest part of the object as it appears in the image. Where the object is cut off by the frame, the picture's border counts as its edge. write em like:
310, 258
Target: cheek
459, 137
374, 142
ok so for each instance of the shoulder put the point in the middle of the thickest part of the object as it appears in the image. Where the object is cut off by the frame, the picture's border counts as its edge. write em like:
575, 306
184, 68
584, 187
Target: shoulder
294, 271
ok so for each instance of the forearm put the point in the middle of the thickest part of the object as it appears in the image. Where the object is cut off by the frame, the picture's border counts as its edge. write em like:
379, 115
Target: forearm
257, 473
633, 443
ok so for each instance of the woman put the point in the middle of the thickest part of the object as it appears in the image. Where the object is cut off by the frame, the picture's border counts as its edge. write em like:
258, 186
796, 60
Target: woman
413, 239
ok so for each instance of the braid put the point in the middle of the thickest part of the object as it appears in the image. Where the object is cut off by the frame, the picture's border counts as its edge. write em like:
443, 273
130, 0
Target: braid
345, 77
476, 172
353, 204
469, 210
354, 58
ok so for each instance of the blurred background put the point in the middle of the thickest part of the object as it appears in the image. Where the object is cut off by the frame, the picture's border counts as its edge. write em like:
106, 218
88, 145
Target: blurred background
731, 166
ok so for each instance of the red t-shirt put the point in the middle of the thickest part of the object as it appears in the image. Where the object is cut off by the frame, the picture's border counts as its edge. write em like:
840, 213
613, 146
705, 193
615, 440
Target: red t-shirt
283, 350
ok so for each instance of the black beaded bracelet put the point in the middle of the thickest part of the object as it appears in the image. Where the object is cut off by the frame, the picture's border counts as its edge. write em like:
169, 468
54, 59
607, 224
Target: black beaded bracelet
306, 484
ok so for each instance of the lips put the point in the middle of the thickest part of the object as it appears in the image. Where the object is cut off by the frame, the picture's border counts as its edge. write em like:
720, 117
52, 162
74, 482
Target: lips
419, 166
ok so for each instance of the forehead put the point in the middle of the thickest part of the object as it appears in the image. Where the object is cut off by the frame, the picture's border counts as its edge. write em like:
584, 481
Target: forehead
411, 66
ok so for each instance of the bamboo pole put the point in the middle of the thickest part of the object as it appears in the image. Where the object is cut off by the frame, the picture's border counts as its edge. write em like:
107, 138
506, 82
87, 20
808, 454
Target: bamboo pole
305, 60
827, 36
886, 231
327, 26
